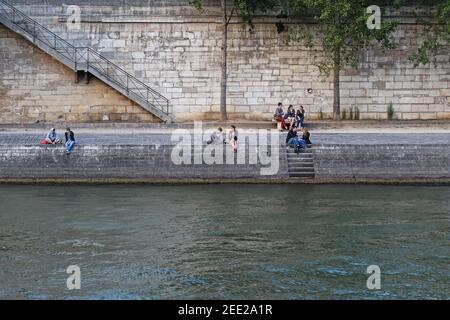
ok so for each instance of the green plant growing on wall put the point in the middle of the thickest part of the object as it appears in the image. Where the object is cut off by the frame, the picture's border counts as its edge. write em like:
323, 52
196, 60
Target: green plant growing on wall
244, 10
357, 113
390, 111
344, 114
321, 115
343, 34
351, 113
438, 33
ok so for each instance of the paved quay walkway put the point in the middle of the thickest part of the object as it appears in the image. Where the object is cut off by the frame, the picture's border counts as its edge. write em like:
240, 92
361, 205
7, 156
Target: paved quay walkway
325, 132
164, 138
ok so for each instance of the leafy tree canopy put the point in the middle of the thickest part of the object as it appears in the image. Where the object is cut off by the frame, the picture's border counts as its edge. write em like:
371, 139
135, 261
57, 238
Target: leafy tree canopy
438, 34
244, 9
343, 30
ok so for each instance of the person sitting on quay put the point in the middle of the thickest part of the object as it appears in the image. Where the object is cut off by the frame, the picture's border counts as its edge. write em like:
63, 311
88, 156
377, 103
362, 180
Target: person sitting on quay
70, 140
216, 137
233, 138
279, 116
300, 117
51, 138
292, 140
289, 117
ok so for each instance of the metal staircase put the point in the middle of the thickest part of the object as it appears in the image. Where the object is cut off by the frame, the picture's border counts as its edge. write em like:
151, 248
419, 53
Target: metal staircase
85, 59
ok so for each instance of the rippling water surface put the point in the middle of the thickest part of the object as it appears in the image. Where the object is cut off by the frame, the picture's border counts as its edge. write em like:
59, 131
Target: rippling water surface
224, 241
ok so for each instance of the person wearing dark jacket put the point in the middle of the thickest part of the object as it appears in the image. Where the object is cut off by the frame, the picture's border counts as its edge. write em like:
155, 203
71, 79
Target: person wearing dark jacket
294, 141
292, 133
300, 117
70, 140
306, 136
289, 116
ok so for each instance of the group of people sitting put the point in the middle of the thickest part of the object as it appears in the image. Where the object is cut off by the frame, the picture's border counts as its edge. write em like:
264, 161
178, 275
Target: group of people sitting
298, 136
290, 118
219, 137
53, 138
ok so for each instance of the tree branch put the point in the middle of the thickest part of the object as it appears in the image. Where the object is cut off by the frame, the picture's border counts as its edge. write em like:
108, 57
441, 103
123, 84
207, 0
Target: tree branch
231, 15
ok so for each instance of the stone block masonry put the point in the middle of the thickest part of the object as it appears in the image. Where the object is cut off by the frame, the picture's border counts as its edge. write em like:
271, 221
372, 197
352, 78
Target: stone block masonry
131, 156
401, 161
337, 163
174, 49
36, 88
118, 162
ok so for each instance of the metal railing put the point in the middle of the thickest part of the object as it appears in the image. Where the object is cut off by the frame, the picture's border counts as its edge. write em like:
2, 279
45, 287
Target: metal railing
85, 58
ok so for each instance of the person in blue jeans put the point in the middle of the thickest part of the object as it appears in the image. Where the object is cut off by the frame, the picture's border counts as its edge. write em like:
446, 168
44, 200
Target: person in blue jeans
294, 141
300, 144
300, 118
70, 140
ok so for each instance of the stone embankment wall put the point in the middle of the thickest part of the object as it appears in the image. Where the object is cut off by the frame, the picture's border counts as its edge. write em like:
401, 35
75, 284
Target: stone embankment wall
382, 161
125, 162
142, 162
176, 50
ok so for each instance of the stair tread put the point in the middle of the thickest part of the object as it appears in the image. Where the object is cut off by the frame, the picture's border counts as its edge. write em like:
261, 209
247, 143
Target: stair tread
293, 156
302, 174
300, 165
308, 174
310, 177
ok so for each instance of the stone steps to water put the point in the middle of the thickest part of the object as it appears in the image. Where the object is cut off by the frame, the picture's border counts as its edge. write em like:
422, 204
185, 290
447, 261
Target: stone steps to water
296, 162
292, 152
301, 165
301, 169
299, 157
309, 175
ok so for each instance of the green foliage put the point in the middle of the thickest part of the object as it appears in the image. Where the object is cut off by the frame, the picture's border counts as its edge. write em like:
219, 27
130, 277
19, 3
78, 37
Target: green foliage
357, 113
321, 115
244, 9
390, 111
343, 30
352, 113
438, 34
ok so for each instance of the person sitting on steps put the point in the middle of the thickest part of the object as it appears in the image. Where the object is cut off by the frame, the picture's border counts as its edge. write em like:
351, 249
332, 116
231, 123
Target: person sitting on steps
306, 136
70, 140
292, 140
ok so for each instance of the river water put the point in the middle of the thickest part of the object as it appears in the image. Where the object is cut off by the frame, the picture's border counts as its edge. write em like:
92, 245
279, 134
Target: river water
224, 241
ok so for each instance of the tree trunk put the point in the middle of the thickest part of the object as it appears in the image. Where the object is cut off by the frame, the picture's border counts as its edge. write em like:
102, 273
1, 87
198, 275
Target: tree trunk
337, 91
223, 82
